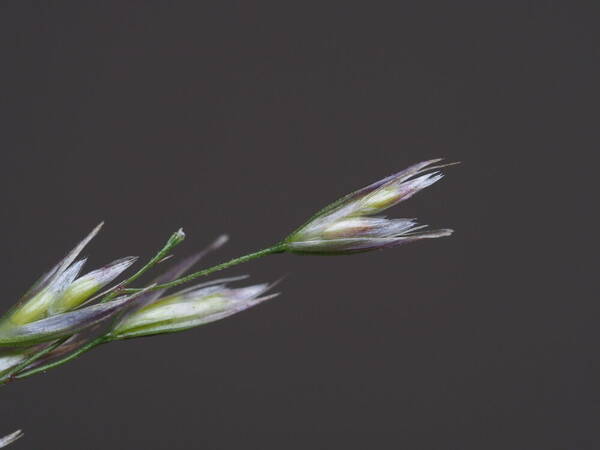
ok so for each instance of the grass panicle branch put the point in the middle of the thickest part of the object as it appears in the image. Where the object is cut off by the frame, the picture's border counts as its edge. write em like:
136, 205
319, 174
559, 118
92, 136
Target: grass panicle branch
65, 315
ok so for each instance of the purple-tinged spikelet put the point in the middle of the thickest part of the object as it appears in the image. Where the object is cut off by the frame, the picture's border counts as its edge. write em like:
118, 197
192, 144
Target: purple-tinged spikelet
190, 308
51, 308
345, 226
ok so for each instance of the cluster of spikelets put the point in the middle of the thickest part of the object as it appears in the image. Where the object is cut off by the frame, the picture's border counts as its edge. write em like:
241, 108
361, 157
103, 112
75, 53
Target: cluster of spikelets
62, 304
65, 311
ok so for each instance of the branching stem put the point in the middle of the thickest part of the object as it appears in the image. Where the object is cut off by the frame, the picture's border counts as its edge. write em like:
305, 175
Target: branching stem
80, 351
175, 239
20, 372
10, 375
279, 248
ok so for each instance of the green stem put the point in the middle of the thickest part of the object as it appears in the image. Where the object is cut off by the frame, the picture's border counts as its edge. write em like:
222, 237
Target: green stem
14, 374
175, 239
279, 248
10, 375
87, 347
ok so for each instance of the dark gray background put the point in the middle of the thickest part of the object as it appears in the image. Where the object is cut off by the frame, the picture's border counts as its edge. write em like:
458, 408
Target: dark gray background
245, 117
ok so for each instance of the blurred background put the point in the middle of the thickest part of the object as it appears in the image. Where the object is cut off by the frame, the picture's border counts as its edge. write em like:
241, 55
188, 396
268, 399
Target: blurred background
245, 118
